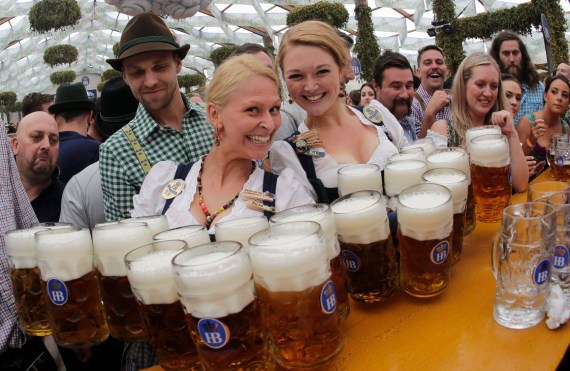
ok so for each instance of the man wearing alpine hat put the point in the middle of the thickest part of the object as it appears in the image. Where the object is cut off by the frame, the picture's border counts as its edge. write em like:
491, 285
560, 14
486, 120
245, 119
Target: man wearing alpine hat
167, 126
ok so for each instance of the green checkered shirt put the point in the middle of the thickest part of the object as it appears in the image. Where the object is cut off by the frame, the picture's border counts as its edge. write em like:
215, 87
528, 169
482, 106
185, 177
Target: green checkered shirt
121, 172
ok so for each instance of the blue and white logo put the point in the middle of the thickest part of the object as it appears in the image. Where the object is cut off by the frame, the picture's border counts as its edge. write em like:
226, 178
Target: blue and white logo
57, 291
351, 261
213, 332
328, 297
356, 67
560, 257
559, 160
440, 252
540, 274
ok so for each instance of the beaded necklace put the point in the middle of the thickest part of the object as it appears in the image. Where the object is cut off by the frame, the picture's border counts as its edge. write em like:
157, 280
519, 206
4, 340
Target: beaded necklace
210, 217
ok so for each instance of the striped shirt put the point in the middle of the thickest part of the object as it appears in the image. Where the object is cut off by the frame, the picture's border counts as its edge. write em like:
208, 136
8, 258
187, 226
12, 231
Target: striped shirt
121, 172
418, 112
15, 213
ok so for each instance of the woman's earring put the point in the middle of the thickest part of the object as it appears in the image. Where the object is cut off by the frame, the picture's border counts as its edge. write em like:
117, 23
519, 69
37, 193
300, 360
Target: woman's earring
217, 137
290, 100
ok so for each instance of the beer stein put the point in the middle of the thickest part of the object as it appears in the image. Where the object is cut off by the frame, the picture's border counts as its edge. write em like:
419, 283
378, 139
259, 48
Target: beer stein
427, 144
562, 160
149, 269
26, 283
240, 230
414, 153
491, 176
399, 175
52, 225
478, 131
367, 249
70, 285
193, 235
293, 281
522, 251
425, 223
456, 181
542, 189
155, 223
551, 154
111, 243
456, 158
322, 214
215, 285
359, 177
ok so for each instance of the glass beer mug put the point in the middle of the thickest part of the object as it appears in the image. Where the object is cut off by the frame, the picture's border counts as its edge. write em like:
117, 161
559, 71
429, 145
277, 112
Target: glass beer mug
521, 254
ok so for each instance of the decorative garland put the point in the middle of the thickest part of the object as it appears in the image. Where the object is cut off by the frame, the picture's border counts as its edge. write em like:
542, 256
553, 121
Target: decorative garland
520, 19
7, 103
366, 47
187, 81
221, 54
116, 49
60, 54
62, 77
334, 14
110, 74
47, 15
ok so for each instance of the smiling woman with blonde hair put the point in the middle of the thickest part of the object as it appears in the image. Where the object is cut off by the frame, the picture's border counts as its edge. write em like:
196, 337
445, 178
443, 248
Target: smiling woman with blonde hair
243, 106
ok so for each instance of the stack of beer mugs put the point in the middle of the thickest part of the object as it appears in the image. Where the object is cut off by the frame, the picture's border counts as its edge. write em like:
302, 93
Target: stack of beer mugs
558, 156
240, 230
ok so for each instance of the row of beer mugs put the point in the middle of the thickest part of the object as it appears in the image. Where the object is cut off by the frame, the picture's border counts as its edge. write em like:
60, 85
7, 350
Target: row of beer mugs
558, 157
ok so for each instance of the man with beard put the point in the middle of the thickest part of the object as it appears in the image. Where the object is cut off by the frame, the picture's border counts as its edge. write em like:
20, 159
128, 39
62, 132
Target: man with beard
35, 147
167, 126
393, 81
431, 102
511, 55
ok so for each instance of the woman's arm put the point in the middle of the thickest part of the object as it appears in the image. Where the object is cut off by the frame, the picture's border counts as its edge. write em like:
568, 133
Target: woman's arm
523, 130
519, 167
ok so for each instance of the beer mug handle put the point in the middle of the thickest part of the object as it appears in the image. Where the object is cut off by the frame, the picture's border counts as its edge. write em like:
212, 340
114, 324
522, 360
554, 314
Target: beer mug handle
495, 253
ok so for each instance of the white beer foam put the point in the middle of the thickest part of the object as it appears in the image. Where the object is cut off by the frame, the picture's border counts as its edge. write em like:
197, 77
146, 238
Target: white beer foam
20, 247
400, 175
425, 215
361, 220
407, 156
240, 230
217, 284
359, 177
156, 223
478, 131
293, 262
312, 214
492, 152
152, 279
66, 254
111, 244
456, 183
193, 235
426, 144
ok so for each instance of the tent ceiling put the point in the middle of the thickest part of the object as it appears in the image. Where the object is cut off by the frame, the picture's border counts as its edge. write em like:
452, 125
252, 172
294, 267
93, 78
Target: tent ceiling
400, 25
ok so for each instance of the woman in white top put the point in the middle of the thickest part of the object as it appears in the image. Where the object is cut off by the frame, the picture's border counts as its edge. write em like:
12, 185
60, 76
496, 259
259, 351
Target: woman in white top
312, 58
243, 106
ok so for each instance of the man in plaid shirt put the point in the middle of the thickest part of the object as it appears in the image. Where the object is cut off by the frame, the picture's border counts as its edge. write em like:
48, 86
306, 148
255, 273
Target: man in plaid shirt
167, 125
511, 55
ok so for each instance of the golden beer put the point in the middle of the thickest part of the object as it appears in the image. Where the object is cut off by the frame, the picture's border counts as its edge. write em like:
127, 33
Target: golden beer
294, 284
491, 176
70, 286
149, 271
322, 214
111, 243
425, 218
25, 276
367, 249
215, 285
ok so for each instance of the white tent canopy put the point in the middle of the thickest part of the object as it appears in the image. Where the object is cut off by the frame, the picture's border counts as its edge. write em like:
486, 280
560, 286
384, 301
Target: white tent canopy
400, 25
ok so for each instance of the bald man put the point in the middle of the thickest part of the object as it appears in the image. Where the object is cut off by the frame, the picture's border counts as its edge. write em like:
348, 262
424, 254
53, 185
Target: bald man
35, 147
564, 70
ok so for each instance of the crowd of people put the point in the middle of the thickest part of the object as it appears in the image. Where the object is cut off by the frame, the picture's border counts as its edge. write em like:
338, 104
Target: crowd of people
72, 161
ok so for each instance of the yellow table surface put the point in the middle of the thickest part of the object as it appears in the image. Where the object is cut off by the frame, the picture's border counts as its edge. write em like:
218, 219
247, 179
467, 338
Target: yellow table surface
454, 331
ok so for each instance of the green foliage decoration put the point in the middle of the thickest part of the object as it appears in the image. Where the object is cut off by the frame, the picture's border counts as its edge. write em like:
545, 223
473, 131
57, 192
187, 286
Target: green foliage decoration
110, 74
7, 103
557, 25
47, 15
62, 77
452, 44
60, 54
334, 14
101, 84
188, 81
366, 47
116, 49
221, 54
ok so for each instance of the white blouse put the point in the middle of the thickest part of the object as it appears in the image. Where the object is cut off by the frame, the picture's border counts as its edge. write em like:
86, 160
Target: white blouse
283, 156
289, 193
